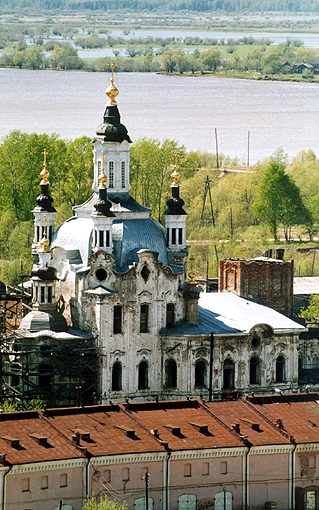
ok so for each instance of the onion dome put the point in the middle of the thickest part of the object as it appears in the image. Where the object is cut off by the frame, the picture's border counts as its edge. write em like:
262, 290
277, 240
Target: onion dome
43, 321
103, 205
175, 203
111, 128
44, 273
44, 200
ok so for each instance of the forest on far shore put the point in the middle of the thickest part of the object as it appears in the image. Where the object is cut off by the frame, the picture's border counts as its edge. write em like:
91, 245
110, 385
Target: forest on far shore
227, 6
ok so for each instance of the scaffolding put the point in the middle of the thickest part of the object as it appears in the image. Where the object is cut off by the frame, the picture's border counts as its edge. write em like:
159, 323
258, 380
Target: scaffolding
60, 371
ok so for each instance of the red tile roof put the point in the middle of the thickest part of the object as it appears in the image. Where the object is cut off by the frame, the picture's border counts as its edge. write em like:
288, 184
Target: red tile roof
296, 415
183, 425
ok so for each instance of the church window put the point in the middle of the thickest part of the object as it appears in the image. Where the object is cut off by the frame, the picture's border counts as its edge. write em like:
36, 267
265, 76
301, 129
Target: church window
229, 374
101, 238
180, 236
15, 377
123, 174
280, 369
170, 373
107, 238
38, 233
187, 502
101, 274
42, 290
200, 373
170, 315
117, 376
254, 370
111, 174
117, 319
145, 273
50, 233
255, 342
143, 375
50, 294
45, 374
144, 318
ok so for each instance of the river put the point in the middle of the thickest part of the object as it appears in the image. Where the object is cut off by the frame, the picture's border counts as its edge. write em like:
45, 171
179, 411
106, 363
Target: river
187, 109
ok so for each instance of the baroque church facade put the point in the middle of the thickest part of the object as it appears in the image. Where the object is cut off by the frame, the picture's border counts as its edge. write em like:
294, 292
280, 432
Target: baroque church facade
116, 314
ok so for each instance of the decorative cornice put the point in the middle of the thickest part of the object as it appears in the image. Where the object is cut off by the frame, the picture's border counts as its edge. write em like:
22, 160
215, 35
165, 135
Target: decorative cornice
210, 452
48, 466
130, 458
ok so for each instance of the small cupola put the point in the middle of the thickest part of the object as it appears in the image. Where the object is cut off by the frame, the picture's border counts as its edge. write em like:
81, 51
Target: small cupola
175, 221
112, 143
43, 210
102, 217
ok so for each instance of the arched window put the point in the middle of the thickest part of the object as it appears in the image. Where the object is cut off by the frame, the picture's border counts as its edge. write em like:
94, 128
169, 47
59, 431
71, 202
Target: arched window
229, 374
254, 370
143, 375
45, 374
200, 374
170, 315
117, 376
280, 369
140, 504
223, 500
170, 373
187, 502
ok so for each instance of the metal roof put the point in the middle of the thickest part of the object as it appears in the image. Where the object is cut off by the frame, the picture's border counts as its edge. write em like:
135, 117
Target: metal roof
225, 313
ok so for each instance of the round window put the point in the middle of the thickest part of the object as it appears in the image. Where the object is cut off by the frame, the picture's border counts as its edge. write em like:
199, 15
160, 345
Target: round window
255, 342
101, 274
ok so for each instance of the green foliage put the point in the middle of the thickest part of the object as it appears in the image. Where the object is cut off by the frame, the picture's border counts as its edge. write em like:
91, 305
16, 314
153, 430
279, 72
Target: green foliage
103, 503
278, 200
311, 313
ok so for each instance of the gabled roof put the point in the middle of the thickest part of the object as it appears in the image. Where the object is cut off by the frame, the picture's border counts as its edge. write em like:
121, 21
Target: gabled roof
296, 415
247, 423
25, 437
109, 431
183, 425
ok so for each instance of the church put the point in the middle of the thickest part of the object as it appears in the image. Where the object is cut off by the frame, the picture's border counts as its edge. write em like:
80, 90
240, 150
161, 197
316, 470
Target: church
116, 313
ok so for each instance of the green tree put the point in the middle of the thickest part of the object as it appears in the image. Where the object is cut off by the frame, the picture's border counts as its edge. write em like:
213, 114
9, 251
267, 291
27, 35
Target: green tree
311, 313
278, 200
151, 162
65, 57
103, 503
21, 161
211, 59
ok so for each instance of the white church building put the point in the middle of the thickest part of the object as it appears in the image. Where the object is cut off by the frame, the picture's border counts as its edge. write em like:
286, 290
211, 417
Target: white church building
116, 314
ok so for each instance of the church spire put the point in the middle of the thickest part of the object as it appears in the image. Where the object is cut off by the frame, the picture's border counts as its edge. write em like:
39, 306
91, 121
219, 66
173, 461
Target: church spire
175, 221
43, 210
103, 217
112, 145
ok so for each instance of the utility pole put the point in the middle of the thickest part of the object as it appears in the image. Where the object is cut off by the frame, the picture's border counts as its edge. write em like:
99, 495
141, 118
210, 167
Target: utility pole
145, 478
